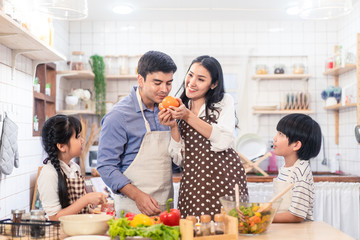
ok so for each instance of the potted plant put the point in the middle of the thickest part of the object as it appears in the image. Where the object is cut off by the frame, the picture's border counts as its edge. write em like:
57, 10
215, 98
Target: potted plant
98, 68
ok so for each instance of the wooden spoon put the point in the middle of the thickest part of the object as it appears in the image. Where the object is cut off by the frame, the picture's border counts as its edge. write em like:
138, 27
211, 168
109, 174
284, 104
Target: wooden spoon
237, 202
267, 206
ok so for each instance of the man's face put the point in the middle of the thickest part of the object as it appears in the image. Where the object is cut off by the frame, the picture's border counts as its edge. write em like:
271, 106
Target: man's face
156, 87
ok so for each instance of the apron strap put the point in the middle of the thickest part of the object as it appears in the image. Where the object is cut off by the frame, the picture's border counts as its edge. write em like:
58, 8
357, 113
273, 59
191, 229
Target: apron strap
147, 125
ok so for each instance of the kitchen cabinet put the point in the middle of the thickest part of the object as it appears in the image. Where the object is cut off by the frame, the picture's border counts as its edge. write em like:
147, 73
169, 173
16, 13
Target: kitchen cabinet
336, 73
21, 41
44, 104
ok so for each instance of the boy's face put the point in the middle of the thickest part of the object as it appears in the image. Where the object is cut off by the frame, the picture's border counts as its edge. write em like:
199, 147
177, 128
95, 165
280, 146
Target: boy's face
281, 145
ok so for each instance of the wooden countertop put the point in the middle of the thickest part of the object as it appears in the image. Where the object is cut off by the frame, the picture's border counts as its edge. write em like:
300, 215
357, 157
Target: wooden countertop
318, 177
299, 231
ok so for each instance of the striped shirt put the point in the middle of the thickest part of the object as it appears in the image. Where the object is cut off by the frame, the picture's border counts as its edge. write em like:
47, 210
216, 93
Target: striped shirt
302, 202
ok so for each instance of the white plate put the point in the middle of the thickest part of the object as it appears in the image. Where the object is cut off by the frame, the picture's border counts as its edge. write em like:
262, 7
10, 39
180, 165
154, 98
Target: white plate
251, 146
88, 237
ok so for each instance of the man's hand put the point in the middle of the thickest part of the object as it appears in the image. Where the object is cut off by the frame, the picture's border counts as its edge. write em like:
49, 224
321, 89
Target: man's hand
144, 202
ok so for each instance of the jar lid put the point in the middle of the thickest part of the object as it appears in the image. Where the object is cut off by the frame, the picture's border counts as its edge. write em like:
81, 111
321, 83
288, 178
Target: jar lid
37, 212
78, 53
219, 217
205, 218
191, 218
17, 211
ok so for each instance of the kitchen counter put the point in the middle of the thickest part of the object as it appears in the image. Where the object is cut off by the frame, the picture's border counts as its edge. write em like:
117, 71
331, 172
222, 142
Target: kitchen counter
299, 231
318, 177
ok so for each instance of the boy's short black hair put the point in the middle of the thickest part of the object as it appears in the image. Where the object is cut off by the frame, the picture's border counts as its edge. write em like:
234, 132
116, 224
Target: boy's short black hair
300, 127
155, 61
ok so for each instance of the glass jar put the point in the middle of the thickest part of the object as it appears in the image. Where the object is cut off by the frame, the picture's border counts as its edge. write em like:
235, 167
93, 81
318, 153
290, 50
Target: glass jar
219, 224
205, 227
78, 61
37, 220
124, 64
111, 65
133, 64
16, 230
298, 68
261, 69
279, 69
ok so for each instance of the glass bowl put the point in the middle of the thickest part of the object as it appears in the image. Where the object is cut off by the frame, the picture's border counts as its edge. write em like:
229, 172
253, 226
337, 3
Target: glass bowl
255, 222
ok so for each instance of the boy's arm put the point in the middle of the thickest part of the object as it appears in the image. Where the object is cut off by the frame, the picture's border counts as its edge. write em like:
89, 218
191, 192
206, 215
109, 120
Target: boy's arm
287, 217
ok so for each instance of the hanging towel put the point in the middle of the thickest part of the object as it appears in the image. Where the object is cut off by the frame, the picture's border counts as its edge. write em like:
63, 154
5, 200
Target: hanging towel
9, 155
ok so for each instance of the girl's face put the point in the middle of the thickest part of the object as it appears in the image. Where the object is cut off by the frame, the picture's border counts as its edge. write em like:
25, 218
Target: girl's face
281, 145
75, 145
198, 82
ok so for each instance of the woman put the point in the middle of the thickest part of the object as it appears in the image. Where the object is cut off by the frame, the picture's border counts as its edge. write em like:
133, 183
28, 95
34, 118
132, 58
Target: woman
202, 141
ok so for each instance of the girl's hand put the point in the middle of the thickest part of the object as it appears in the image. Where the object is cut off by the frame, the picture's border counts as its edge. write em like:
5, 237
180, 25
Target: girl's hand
180, 112
166, 119
96, 198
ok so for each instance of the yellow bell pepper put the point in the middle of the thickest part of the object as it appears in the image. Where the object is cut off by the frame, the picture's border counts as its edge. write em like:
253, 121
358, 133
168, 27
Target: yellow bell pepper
141, 219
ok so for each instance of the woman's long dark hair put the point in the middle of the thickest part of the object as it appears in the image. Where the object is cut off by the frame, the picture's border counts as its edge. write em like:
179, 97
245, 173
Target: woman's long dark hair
59, 129
213, 95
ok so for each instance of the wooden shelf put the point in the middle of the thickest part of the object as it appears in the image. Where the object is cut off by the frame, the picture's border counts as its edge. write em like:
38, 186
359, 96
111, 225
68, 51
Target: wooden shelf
277, 112
75, 112
81, 75
281, 76
15, 37
125, 77
340, 106
84, 75
340, 70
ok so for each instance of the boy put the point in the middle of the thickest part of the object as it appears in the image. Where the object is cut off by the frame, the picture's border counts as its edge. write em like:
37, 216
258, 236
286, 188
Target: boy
298, 139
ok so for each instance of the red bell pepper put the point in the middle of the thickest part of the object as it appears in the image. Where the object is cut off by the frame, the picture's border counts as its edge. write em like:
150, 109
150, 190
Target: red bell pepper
171, 217
130, 216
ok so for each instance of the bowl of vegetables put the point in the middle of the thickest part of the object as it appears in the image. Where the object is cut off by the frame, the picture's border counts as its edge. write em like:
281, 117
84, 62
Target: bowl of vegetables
255, 212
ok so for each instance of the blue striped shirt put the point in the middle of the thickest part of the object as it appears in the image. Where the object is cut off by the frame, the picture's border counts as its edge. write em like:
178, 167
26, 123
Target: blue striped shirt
122, 132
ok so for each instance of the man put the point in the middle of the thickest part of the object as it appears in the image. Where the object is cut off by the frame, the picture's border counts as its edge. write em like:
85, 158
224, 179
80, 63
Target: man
133, 158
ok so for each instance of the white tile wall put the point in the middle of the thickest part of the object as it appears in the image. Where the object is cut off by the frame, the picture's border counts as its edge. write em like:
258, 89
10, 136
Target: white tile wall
179, 39
16, 98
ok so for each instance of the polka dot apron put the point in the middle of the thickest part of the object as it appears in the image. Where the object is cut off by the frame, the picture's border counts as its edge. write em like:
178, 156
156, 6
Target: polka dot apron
207, 175
76, 189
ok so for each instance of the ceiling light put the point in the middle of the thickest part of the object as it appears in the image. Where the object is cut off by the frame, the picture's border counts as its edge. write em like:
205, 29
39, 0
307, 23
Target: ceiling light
64, 9
293, 10
325, 9
122, 9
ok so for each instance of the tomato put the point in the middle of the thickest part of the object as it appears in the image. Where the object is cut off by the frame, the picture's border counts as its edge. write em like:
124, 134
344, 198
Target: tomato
141, 219
168, 101
156, 219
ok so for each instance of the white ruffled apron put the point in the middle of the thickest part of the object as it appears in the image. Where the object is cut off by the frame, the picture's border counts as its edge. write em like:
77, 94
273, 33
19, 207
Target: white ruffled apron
151, 169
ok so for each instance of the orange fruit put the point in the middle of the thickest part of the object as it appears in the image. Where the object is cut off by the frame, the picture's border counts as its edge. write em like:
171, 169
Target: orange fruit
169, 101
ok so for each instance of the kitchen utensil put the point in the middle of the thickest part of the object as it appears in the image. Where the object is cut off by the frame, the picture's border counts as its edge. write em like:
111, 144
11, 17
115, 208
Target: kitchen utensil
85, 224
237, 202
248, 165
267, 206
357, 133
324, 161
251, 145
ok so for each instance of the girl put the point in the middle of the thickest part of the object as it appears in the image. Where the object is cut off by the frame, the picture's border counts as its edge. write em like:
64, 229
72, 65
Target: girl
203, 142
298, 140
61, 188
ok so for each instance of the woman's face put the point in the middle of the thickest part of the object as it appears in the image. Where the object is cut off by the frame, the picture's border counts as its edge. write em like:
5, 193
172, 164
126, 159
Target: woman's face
198, 82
